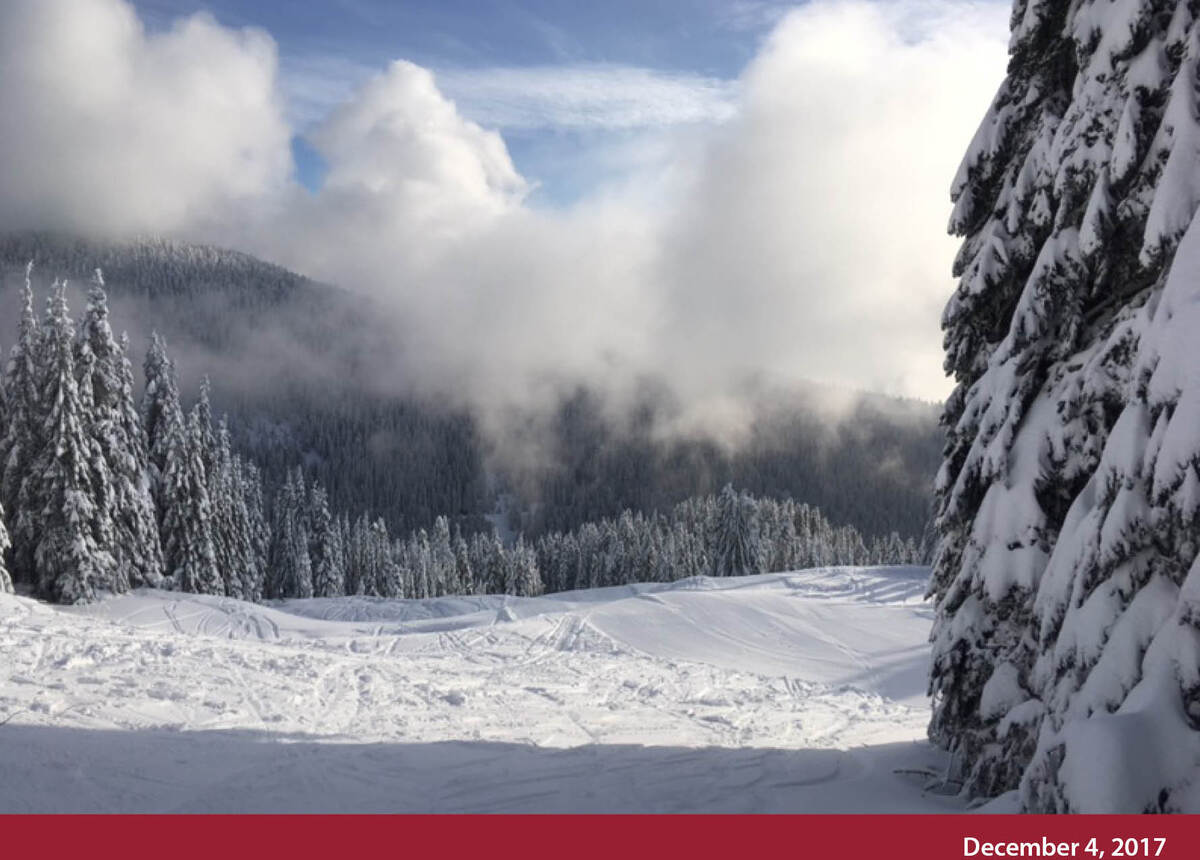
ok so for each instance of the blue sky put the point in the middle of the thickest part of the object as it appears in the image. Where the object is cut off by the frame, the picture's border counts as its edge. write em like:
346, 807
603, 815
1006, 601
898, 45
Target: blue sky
577, 89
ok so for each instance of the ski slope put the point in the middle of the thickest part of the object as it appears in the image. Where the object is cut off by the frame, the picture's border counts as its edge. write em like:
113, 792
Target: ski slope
797, 692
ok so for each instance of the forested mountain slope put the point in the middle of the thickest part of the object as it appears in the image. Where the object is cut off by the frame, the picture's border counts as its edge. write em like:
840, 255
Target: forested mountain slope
1066, 643
309, 374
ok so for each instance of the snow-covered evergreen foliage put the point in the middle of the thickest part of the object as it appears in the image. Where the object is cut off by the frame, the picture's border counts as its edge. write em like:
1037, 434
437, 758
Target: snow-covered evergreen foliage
161, 410
166, 500
683, 543
6, 584
290, 566
735, 535
1065, 645
233, 534
187, 516
21, 437
325, 546
63, 492
116, 431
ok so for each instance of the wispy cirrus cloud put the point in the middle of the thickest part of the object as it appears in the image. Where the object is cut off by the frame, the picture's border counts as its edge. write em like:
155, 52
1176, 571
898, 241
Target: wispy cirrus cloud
585, 97
315, 84
588, 97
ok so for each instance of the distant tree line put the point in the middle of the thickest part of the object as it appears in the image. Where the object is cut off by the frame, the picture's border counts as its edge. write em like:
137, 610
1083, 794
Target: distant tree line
102, 492
871, 465
731, 534
312, 396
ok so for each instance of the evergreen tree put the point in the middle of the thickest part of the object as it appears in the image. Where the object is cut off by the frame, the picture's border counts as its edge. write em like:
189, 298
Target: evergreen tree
22, 436
1056, 540
161, 410
120, 454
735, 535
385, 572
204, 421
71, 561
325, 547
233, 539
524, 579
290, 571
249, 520
464, 573
188, 553
445, 570
6, 584
259, 531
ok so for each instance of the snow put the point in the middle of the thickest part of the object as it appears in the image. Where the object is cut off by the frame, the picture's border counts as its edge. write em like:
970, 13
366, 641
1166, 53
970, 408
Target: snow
1118, 763
1002, 692
797, 692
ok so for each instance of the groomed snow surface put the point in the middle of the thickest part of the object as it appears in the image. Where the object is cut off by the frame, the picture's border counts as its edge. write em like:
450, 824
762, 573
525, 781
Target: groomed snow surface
797, 692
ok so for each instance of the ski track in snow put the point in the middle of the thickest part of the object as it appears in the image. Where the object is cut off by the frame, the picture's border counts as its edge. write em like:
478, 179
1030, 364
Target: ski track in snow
776, 693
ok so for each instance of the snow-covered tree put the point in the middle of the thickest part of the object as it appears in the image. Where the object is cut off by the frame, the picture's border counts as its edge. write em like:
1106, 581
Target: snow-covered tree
22, 434
464, 574
325, 546
119, 447
250, 484
1065, 535
445, 571
161, 409
6, 584
233, 537
524, 579
71, 552
385, 572
290, 571
735, 537
189, 558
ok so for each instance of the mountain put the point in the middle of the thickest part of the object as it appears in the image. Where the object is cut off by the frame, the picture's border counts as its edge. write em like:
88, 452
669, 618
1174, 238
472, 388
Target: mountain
312, 374
1066, 642
294, 362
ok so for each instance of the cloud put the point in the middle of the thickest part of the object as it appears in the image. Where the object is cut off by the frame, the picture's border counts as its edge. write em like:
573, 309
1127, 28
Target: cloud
572, 98
495, 304
409, 179
811, 239
582, 97
314, 85
108, 128
787, 226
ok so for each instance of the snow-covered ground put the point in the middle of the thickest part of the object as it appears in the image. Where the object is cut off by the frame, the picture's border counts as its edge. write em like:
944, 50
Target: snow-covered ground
798, 692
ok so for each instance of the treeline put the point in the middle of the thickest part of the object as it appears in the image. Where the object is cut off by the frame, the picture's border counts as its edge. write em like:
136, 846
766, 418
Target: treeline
308, 375
870, 466
103, 494
297, 386
318, 555
732, 534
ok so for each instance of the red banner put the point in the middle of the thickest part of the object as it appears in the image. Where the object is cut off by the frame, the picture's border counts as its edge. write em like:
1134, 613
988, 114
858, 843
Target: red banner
574, 837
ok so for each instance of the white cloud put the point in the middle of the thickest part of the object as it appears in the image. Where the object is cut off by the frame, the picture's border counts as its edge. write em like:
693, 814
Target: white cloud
587, 97
494, 302
812, 240
591, 97
408, 178
105, 127
790, 226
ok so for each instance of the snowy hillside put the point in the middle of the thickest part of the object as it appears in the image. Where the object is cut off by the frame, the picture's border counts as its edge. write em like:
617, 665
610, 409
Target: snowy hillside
775, 693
